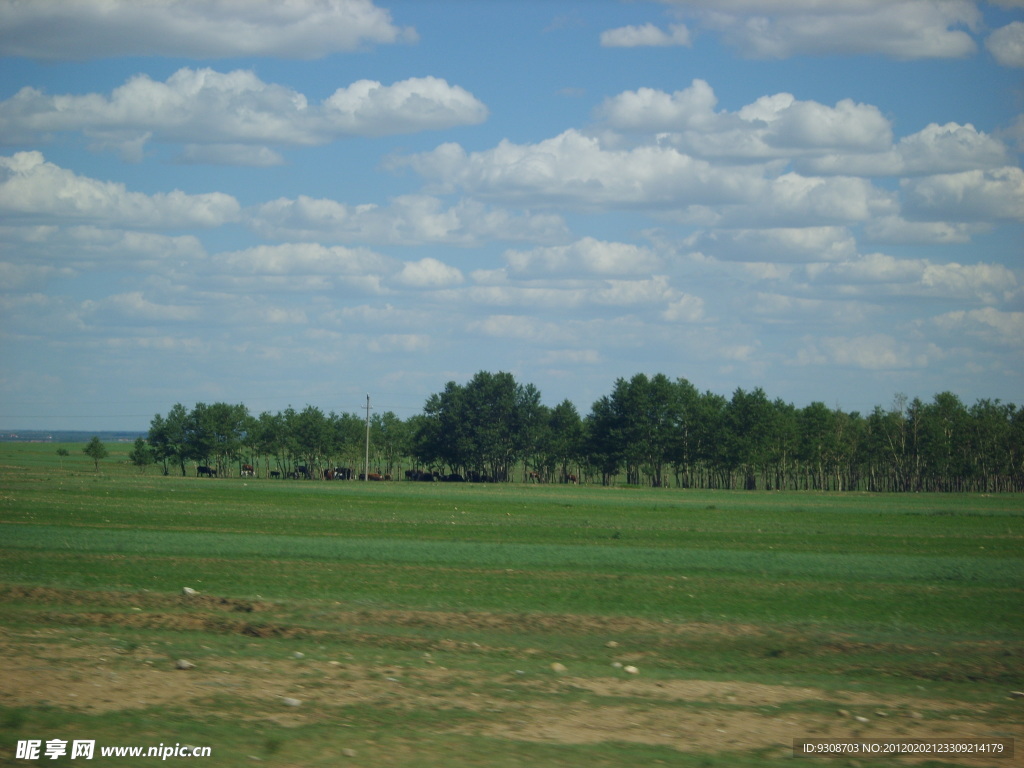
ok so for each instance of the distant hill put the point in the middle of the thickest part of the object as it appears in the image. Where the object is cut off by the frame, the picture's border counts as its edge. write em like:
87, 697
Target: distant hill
65, 436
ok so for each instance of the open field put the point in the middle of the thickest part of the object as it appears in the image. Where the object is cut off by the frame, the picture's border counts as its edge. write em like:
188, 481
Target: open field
411, 624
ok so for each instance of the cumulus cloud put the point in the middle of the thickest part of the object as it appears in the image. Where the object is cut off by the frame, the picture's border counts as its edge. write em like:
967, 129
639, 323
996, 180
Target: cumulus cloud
685, 309
882, 274
576, 169
428, 273
779, 125
134, 306
645, 35
407, 220
588, 256
979, 195
988, 324
649, 110
31, 188
783, 244
896, 229
878, 351
303, 259
901, 29
300, 29
795, 201
229, 117
1007, 44
937, 148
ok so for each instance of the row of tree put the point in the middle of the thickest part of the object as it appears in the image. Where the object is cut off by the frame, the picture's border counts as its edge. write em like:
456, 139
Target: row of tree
647, 431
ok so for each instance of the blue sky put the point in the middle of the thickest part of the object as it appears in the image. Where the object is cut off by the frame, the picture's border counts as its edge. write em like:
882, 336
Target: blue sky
290, 204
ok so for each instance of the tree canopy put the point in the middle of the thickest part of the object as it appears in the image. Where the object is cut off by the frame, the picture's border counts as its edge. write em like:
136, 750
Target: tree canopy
646, 431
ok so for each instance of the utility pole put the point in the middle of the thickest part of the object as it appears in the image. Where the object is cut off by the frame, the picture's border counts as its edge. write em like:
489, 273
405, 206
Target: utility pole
366, 463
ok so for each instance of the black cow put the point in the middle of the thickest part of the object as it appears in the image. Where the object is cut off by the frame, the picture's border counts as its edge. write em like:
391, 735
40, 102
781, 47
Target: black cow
207, 471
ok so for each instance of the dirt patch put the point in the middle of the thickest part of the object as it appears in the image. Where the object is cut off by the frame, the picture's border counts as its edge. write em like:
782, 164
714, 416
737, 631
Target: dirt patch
610, 626
128, 600
713, 730
54, 664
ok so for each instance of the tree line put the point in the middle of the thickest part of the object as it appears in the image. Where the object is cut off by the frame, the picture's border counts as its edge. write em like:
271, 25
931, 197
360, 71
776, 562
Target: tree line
646, 431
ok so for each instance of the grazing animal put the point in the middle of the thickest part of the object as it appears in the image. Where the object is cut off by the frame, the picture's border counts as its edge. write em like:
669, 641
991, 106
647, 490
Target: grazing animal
373, 476
207, 471
275, 473
342, 473
248, 470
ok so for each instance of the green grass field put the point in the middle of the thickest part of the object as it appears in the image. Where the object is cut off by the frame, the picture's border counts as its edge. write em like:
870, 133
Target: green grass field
417, 624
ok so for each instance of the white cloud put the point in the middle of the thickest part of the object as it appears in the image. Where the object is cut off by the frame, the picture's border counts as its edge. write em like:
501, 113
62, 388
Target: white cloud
134, 306
574, 169
23, 277
979, 195
988, 324
237, 113
586, 256
881, 274
645, 35
301, 259
649, 110
895, 229
408, 220
808, 125
946, 148
32, 188
1007, 44
428, 273
578, 171
404, 343
878, 351
420, 103
653, 291
901, 29
795, 201
301, 29
779, 308
524, 328
685, 309
786, 245
775, 126
86, 247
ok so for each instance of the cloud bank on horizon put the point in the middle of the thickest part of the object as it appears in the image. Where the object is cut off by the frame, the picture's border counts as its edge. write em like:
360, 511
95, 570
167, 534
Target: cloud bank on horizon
289, 204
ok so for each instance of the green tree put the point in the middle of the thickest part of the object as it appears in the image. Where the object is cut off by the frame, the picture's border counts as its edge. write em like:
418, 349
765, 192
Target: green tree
749, 422
563, 439
62, 452
169, 439
215, 433
96, 451
141, 454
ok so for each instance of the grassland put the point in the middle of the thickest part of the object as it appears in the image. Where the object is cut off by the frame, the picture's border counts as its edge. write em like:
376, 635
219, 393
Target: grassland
417, 624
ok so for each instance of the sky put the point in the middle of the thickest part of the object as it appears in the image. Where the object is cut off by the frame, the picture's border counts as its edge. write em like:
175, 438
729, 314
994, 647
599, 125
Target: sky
308, 202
